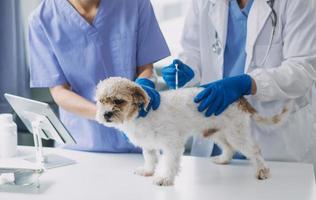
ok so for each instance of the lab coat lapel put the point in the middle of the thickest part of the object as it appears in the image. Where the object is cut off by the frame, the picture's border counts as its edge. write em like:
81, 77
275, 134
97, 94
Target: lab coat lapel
218, 13
257, 18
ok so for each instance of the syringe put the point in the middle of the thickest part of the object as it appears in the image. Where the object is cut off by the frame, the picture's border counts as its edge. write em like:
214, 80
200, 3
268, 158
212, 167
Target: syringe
177, 79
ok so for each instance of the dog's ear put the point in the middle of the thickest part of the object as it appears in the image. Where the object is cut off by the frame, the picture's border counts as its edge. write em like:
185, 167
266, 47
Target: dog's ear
98, 91
140, 97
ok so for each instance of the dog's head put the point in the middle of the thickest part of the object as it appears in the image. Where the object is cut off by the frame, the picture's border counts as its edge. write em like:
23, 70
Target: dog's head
118, 100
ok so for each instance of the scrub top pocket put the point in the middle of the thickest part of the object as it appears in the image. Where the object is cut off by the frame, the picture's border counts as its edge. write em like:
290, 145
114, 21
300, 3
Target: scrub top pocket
117, 52
121, 60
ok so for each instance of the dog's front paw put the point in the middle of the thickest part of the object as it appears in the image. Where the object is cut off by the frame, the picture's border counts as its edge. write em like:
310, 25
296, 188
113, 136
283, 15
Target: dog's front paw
141, 171
263, 173
163, 181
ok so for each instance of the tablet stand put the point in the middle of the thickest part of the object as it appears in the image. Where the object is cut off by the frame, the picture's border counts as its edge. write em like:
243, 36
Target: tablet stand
40, 125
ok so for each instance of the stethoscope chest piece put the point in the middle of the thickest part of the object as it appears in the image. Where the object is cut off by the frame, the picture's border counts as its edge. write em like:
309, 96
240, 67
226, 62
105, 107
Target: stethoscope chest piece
216, 47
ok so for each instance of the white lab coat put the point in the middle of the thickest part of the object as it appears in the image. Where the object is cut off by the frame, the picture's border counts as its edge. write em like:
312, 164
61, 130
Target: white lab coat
288, 73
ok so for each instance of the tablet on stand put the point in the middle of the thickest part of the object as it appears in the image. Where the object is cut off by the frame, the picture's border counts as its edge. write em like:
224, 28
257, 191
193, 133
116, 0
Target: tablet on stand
42, 122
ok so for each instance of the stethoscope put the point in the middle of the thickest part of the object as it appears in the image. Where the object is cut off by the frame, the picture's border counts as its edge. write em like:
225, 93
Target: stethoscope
217, 46
274, 20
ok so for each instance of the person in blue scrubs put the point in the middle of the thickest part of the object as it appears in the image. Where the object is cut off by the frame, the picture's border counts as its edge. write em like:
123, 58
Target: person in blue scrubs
75, 44
234, 64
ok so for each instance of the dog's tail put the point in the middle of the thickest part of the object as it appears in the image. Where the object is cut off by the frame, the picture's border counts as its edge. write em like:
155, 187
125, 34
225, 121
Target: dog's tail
277, 119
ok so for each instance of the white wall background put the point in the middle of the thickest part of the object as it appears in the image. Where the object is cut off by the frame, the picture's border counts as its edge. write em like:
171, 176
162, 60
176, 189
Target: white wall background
171, 15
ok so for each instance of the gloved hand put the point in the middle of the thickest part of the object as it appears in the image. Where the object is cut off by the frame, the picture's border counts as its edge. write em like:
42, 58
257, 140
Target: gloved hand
185, 74
154, 96
217, 96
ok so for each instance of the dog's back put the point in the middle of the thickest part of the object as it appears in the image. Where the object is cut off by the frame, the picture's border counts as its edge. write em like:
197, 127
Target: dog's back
178, 114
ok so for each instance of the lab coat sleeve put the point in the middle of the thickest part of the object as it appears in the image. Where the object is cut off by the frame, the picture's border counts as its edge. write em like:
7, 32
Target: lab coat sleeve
151, 44
44, 67
190, 42
297, 73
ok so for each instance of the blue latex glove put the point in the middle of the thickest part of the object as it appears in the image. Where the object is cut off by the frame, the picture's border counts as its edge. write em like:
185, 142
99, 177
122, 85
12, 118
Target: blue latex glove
217, 96
154, 96
185, 74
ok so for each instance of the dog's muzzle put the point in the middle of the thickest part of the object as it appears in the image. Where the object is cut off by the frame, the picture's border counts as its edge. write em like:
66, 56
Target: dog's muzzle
108, 115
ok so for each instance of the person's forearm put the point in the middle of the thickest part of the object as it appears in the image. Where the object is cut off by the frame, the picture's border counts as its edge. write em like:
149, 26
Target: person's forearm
146, 71
253, 87
72, 102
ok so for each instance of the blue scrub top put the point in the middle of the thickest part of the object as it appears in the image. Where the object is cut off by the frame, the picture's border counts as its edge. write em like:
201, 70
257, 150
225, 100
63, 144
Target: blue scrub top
235, 54
65, 48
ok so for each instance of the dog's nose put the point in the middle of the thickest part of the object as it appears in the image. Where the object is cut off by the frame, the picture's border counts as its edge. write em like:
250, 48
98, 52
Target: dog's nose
108, 115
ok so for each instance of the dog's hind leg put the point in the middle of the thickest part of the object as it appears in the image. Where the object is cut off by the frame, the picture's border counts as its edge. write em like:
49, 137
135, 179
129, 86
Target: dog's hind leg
254, 154
251, 150
168, 166
227, 152
151, 159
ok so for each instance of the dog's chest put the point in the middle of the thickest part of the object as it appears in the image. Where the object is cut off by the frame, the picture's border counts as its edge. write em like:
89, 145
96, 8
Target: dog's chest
143, 137
146, 142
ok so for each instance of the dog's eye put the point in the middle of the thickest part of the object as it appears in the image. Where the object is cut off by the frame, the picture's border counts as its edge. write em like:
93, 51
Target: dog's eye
118, 101
103, 101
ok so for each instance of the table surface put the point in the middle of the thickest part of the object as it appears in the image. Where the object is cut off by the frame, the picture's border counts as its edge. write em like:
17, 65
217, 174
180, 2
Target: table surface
110, 176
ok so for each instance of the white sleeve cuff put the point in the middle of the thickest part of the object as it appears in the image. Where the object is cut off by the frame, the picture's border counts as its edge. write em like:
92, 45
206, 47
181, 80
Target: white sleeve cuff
262, 80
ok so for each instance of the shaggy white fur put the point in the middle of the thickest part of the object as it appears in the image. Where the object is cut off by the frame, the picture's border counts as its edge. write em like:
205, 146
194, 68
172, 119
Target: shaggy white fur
169, 127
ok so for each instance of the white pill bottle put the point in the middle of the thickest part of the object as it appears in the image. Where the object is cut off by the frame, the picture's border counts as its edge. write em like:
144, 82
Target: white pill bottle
8, 136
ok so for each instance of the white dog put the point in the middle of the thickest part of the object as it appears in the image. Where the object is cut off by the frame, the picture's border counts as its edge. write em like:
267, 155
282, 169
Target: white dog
168, 128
